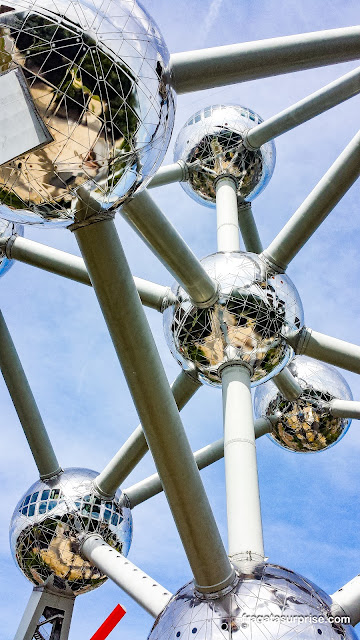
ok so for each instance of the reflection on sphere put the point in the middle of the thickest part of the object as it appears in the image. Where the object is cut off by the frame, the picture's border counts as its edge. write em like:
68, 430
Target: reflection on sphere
99, 78
7, 230
212, 140
306, 425
50, 519
255, 309
252, 610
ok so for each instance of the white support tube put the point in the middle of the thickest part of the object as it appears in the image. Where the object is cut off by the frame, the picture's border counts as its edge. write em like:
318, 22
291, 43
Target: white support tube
346, 601
345, 409
325, 348
287, 385
228, 237
135, 447
69, 266
25, 405
318, 102
168, 174
248, 228
163, 239
219, 66
316, 207
151, 486
155, 404
242, 486
148, 593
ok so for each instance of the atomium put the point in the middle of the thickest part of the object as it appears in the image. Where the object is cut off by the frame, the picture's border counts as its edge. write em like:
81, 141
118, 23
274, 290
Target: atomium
212, 142
267, 602
306, 424
7, 230
100, 82
51, 517
255, 309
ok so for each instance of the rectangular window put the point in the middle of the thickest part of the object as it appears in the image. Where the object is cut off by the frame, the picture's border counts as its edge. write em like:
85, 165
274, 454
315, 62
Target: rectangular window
24, 511
31, 510
207, 112
115, 519
107, 515
34, 496
45, 494
42, 507
54, 494
27, 500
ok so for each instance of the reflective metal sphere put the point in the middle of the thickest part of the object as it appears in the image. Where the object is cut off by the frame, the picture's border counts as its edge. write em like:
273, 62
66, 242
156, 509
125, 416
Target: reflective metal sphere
99, 77
270, 603
306, 424
51, 517
7, 230
213, 138
255, 309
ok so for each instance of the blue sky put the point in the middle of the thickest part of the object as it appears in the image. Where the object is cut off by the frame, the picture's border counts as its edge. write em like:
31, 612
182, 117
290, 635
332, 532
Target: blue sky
310, 504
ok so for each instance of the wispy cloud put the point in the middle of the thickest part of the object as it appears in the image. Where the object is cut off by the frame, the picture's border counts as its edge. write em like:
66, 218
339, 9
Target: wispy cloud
211, 18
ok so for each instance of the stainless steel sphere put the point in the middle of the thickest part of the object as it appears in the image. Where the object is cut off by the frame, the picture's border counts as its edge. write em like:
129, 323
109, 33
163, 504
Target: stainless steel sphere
99, 78
269, 602
306, 424
213, 139
49, 521
255, 309
7, 230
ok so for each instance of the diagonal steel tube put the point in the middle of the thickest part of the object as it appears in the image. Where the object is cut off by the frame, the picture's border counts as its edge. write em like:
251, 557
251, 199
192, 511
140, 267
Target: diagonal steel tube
168, 174
148, 593
135, 447
318, 102
155, 404
319, 203
346, 601
69, 266
219, 66
25, 405
242, 485
322, 347
163, 239
151, 486
248, 228
287, 385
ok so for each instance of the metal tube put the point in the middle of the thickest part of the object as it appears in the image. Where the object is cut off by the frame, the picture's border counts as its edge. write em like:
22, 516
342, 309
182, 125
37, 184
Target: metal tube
148, 593
135, 447
25, 405
219, 66
151, 486
242, 485
72, 267
163, 239
155, 404
228, 238
346, 601
325, 98
287, 385
176, 172
248, 228
319, 203
325, 348
345, 409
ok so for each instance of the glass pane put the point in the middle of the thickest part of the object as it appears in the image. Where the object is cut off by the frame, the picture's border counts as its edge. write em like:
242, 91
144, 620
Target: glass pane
52, 504
115, 519
24, 511
54, 494
31, 510
107, 515
34, 496
26, 501
42, 507
45, 494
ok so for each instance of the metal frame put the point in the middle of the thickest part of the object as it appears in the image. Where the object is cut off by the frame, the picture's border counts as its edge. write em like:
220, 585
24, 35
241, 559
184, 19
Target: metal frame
161, 428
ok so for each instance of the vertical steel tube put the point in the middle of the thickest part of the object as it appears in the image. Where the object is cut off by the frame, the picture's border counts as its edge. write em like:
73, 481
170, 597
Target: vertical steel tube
228, 238
248, 228
325, 98
139, 358
25, 405
319, 203
213, 452
148, 593
242, 485
135, 447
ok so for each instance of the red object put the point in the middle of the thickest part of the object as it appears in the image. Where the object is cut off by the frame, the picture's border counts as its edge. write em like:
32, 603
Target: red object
110, 623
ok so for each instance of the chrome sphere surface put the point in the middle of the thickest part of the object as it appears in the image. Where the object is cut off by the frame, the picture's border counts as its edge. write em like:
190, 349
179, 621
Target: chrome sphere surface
7, 230
98, 75
268, 602
255, 309
49, 520
306, 424
213, 140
